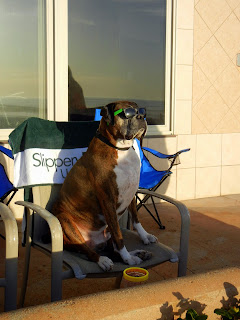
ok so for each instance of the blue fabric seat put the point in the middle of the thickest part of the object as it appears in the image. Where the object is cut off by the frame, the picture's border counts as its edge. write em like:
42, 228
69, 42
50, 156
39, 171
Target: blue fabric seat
6, 187
151, 179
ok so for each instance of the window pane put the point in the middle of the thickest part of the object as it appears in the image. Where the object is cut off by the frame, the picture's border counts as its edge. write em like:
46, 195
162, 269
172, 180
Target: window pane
22, 63
117, 52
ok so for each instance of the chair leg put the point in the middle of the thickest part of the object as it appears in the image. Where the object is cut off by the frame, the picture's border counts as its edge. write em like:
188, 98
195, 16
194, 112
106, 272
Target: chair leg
184, 243
10, 199
56, 276
118, 281
27, 257
142, 204
161, 226
11, 259
182, 267
25, 275
11, 267
11, 285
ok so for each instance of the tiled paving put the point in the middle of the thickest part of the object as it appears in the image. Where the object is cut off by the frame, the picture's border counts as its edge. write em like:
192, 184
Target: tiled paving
214, 244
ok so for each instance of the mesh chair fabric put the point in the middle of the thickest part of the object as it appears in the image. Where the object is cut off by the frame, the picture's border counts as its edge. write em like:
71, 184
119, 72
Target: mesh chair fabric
5, 186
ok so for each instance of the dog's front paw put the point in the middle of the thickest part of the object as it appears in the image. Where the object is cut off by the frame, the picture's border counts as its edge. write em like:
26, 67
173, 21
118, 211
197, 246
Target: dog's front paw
105, 263
149, 238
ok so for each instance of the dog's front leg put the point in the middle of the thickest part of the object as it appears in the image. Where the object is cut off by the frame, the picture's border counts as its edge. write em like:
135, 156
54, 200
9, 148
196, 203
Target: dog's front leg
131, 258
109, 209
146, 237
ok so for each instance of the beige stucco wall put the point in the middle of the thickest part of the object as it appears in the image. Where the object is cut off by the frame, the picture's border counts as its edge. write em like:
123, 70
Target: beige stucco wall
207, 101
216, 77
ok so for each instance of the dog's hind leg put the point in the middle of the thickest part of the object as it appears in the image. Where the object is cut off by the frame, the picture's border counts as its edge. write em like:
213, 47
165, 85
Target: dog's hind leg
74, 241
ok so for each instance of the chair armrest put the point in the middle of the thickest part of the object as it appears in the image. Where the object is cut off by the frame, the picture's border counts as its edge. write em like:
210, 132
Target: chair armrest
11, 231
53, 223
183, 210
185, 226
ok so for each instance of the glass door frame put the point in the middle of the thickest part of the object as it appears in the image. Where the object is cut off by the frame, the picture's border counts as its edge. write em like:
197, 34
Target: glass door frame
59, 52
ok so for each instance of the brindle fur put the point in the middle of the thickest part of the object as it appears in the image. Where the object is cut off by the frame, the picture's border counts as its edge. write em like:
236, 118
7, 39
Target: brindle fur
89, 196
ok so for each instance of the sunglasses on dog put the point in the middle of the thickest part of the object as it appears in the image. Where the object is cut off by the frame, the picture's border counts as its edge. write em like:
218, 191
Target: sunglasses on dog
131, 112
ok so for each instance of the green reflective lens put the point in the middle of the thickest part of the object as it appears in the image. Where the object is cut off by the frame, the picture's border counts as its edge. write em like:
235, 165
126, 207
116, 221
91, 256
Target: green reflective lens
117, 112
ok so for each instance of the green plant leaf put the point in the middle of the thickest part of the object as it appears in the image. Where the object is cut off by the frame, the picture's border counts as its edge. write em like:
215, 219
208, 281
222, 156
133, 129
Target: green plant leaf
191, 314
223, 313
233, 310
202, 317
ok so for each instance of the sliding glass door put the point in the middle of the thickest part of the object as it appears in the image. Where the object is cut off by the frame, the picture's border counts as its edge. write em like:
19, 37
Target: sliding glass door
117, 51
23, 61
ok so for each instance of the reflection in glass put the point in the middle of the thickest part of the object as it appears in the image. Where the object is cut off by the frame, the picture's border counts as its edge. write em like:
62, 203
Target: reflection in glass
22, 63
117, 52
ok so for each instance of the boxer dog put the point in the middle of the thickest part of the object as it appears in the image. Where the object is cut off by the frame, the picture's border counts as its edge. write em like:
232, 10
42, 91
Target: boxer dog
102, 185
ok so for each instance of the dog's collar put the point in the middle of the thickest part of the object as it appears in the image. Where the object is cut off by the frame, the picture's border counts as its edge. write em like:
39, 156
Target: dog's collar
105, 140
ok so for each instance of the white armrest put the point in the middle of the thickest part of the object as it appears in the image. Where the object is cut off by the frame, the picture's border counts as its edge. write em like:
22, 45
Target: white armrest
53, 223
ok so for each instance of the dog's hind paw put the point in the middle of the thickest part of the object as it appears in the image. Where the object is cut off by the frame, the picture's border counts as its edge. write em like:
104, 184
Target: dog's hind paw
129, 258
142, 254
105, 263
133, 260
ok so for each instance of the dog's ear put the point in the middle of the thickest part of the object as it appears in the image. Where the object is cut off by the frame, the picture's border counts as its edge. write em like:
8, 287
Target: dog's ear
142, 136
107, 113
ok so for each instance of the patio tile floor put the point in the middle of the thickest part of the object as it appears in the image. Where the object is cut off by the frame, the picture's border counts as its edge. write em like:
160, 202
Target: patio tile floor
214, 244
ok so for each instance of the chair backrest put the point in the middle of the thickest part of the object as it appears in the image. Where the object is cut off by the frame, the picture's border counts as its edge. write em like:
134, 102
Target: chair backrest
97, 116
6, 151
148, 175
44, 196
5, 186
44, 152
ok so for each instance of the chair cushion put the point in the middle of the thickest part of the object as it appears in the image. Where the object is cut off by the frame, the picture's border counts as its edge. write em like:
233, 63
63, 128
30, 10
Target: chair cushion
82, 266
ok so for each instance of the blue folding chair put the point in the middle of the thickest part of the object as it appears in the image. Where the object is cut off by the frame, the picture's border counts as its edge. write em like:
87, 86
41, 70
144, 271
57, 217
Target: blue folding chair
151, 179
97, 116
6, 187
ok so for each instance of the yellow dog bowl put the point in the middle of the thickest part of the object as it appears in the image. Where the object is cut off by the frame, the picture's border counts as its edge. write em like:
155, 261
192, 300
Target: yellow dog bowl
135, 274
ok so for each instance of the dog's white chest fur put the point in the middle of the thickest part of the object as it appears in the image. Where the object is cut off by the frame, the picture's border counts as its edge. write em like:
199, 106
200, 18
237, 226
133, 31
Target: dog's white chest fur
128, 172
